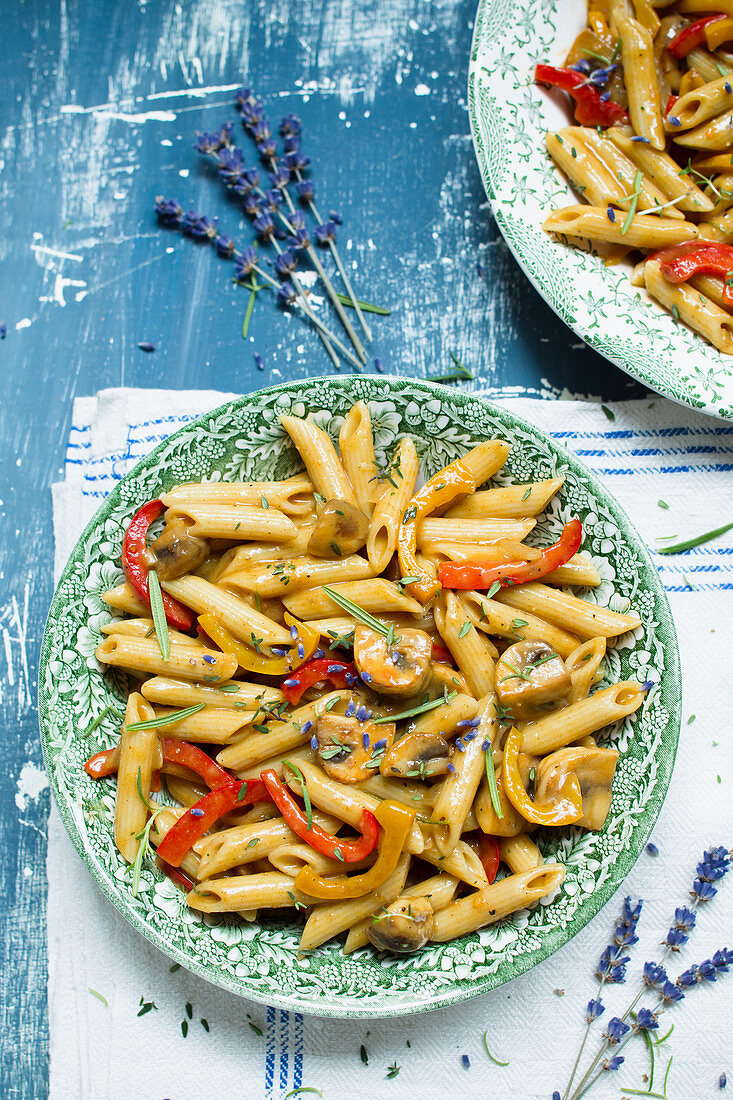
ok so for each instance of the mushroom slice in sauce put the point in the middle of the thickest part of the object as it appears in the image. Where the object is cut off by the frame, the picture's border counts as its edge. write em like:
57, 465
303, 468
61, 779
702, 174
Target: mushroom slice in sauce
176, 552
400, 668
594, 770
418, 755
406, 926
341, 529
350, 750
530, 679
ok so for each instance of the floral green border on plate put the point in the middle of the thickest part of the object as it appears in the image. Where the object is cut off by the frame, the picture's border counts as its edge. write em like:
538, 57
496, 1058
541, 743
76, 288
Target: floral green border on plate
509, 116
243, 440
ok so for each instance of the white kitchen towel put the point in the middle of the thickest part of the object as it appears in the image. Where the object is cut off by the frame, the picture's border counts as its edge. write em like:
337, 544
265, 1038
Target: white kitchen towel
652, 452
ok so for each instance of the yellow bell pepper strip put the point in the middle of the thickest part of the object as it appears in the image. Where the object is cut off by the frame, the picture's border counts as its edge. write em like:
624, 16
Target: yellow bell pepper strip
565, 811
396, 821
305, 643
454, 481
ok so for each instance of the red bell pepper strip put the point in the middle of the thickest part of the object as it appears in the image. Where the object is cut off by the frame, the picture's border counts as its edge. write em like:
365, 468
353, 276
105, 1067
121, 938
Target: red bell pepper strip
711, 258
488, 853
590, 109
670, 103
196, 821
472, 575
443, 655
350, 851
102, 764
339, 673
691, 36
136, 570
194, 758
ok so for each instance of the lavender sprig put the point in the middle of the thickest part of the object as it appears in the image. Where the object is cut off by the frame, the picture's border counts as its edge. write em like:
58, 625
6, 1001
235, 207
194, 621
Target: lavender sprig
202, 228
714, 865
254, 120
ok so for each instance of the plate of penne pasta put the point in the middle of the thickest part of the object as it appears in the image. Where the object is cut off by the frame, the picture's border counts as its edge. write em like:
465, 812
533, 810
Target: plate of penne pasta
359, 696
603, 130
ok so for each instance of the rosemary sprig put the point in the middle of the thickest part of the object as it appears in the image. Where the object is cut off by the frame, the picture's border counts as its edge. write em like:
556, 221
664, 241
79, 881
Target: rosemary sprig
638, 180
99, 719
491, 780
496, 1061
421, 709
357, 612
460, 374
158, 612
698, 540
367, 307
306, 797
144, 846
167, 719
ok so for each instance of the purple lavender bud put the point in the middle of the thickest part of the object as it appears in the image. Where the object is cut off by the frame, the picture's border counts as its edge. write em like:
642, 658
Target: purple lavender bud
258, 362
648, 685
485, 745
612, 967
319, 654
231, 165
300, 239
206, 143
365, 739
652, 849
224, 245
687, 978
378, 365
286, 263
267, 149
465, 1061
272, 200
290, 126
196, 812
615, 1030
246, 262
556, 1095
684, 918
722, 1081
301, 651
366, 677
350, 709
469, 736
450, 768
723, 959
168, 210
251, 205
209, 659
295, 161
198, 226
613, 1063
714, 865
335, 216
626, 924
654, 975
262, 131
281, 176
702, 891
307, 727
380, 744
326, 233
595, 1009
314, 742
707, 971
306, 191
145, 345
675, 939
360, 712
3, 331
291, 144
645, 1021
265, 227
669, 993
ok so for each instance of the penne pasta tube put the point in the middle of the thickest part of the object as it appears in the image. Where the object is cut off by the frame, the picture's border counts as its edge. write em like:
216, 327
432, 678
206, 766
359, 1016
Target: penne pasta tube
704, 65
561, 727
586, 172
472, 652
498, 619
394, 497
144, 628
579, 571
647, 16
520, 853
277, 763
715, 134
375, 595
345, 804
279, 578
493, 553
215, 726
463, 863
507, 502
327, 921
495, 902
236, 521
486, 459
144, 655
583, 664
281, 736
710, 287
356, 444
164, 822
640, 78
699, 105
124, 598
477, 531
292, 496
624, 168
232, 695
592, 222
580, 617
321, 461
239, 557
439, 889
704, 316
134, 773
237, 616
663, 171
458, 790
242, 844
268, 890
291, 858
704, 6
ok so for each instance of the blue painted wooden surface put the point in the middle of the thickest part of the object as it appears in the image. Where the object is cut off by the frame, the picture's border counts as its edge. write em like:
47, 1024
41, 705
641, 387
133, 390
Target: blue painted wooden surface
101, 100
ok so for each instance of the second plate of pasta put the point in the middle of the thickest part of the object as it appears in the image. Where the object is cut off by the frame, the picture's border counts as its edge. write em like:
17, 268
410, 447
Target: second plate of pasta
380, 717
636, 192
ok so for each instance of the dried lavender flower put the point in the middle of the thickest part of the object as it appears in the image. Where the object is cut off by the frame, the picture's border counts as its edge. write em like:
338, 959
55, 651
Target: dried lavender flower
246, 262
198, 226
224, 245
306, 191
615, 1031
264, 225
326, 233
595, 1009
612, 966
290, 126
286, 262
168, 210
286, 294
645, 1020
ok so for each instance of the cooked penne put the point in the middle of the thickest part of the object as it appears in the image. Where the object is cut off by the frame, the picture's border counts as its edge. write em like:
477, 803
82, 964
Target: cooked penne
268, 890
586, 716
579, 617
583, 664
476, 531
508, 502
489, 905
472, 652
236, 521
694, 308
520, 853
234, 614
134, 773
637, 56
144, 628
498, 619
659, 167
280, 578
458, 789
292, 496
393, 500
439, 890
327, 921
234, 694
356, 444
124, 598
187, 662
594, 223
321, 461
377, 595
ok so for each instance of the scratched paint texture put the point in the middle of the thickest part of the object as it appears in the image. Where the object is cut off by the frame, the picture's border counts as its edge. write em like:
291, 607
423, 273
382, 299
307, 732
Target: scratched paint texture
101, 99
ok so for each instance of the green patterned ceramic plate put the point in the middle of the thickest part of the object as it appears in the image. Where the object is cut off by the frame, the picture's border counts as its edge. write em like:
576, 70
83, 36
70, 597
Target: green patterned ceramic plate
243, 440
509, 117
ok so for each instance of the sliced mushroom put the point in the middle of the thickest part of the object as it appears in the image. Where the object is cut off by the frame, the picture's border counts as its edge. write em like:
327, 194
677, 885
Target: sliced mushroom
401, 667
406, 926
444, 678
531, 679
417, 756
350, 749
341, 529
176, 552
594, 770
